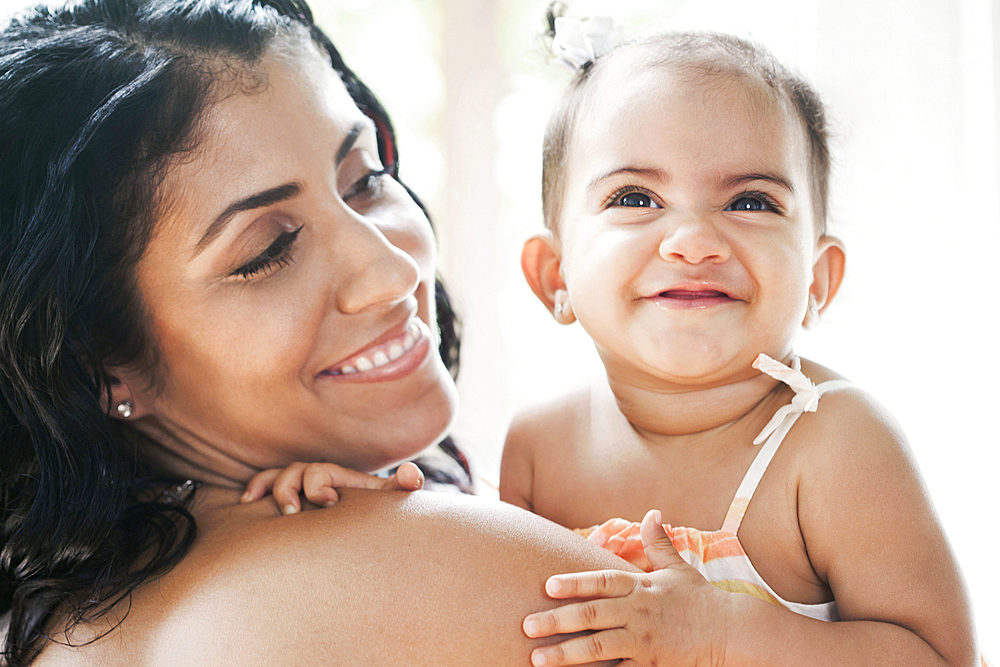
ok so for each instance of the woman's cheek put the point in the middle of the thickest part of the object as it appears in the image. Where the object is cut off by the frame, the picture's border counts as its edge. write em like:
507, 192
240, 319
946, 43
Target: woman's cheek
426, 306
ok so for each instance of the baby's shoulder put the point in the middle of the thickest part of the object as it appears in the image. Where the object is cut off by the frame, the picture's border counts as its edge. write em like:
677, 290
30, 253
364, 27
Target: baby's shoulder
846, 404
551, 421
849, 428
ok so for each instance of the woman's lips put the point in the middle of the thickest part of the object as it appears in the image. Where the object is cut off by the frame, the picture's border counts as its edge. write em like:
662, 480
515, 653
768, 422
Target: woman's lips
387, 359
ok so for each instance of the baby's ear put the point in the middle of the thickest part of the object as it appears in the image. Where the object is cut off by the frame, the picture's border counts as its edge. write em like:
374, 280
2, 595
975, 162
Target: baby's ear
540, 262
828, 273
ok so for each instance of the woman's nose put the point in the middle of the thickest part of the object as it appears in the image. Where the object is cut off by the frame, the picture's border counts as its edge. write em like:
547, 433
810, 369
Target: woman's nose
373, 270
694, 239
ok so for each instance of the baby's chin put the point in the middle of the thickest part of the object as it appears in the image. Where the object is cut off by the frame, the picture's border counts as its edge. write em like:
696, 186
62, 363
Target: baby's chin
680, 371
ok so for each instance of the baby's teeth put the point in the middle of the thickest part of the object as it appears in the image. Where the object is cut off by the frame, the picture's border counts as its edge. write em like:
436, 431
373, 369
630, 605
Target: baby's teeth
396, 351
363, 364
347, 370
380, 358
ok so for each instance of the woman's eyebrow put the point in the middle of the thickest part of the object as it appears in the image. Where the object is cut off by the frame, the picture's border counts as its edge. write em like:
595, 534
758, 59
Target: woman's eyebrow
348, 143
274, 195
256, 200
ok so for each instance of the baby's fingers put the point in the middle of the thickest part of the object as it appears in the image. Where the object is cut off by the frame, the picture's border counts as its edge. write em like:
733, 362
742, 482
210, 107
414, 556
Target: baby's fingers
321, 480
590, 615
408, 477
599, 584
260, 485
287, 485
607, 645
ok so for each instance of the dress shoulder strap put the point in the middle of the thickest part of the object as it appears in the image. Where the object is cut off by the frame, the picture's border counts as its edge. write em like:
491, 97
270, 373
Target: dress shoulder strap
806, 399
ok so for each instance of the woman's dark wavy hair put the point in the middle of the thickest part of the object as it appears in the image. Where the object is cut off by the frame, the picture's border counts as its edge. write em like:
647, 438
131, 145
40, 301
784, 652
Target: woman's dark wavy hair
95, 100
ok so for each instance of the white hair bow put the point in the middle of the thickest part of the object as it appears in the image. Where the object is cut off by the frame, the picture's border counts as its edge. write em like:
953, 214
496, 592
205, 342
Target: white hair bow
581, 41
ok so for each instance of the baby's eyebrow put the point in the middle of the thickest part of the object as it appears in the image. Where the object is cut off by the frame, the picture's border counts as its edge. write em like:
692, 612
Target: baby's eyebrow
741, 179
647, 172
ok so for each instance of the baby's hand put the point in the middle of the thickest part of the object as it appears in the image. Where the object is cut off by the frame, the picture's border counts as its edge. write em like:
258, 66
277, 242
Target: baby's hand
319, 483
664, 617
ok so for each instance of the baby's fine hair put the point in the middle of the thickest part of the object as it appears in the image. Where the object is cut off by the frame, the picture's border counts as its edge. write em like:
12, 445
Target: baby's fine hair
699, 54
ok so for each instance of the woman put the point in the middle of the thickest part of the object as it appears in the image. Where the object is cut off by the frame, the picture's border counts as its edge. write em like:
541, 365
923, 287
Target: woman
209, 268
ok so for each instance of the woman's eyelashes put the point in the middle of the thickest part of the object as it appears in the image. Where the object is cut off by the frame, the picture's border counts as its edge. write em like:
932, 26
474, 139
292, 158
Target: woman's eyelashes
368, 187
276, 255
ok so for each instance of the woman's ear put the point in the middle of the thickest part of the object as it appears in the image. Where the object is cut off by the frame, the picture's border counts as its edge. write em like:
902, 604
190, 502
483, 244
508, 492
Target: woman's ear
125, 404
828, 273
540, 262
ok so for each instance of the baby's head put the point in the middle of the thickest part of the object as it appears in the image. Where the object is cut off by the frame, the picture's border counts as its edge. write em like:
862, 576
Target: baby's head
693, 56
684, 192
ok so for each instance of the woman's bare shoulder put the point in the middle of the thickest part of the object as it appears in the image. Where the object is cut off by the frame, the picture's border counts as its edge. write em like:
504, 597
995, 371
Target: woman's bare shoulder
379, 579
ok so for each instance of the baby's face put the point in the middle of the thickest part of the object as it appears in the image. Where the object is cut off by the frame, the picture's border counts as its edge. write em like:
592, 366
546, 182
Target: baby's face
687, 234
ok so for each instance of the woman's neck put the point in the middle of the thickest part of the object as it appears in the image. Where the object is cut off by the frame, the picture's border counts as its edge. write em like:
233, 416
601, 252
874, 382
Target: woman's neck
179, 453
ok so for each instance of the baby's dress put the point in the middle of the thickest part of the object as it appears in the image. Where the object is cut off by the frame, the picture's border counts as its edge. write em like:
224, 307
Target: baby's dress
718, 554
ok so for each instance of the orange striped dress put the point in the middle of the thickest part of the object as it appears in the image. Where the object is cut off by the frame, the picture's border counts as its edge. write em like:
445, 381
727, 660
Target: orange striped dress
718, 554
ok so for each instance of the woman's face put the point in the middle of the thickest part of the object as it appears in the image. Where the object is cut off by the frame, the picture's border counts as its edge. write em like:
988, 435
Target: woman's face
290, 286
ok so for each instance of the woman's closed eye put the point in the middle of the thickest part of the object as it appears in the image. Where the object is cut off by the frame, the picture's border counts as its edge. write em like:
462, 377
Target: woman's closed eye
368, 187
752, 202
276, 255
633, 198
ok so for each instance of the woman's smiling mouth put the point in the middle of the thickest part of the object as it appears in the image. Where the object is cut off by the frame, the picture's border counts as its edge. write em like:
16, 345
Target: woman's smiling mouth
387, 359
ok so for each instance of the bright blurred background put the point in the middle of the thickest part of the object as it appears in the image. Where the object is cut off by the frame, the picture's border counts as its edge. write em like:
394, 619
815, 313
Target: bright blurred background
913, 90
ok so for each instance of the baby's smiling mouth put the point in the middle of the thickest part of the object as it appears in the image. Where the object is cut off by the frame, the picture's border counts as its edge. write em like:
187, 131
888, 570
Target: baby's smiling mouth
693, 295
378, 355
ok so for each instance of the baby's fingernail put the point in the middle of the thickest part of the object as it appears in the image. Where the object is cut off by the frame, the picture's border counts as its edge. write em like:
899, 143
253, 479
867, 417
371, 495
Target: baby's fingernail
553, 585
330, 503
245, 498
530, 628
538, 659
289, 509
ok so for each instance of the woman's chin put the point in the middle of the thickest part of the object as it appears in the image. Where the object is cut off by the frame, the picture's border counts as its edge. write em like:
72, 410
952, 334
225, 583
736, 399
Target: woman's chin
412, 434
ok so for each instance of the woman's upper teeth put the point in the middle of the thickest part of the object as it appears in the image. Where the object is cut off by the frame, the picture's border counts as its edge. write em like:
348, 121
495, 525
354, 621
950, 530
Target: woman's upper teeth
381, 355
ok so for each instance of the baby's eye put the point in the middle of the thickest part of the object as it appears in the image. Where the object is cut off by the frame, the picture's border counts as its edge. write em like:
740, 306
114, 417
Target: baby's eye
634, 199
751, 203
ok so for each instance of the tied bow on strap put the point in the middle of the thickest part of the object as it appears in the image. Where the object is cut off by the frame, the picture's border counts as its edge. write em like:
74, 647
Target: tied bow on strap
581, 41
806, 394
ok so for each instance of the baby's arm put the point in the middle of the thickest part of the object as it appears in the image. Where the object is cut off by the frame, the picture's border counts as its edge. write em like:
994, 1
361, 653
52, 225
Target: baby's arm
517, 463
544, 432
871, 535
319, 483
